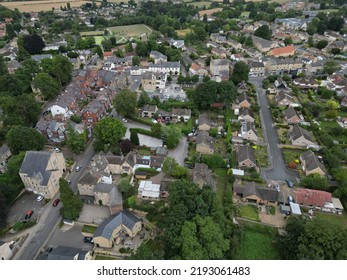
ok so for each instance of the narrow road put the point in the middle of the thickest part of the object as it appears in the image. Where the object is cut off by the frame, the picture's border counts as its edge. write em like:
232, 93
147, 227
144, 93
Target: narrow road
278, 170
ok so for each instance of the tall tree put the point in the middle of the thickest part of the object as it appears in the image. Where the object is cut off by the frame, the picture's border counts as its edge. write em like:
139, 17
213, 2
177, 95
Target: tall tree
125, 103
21, 138
240, 72
143, 99
58, 67
171, 136
47, 85
263, 32
134, 137
33, 43
76, 142
72, 204
109, 131
169, 165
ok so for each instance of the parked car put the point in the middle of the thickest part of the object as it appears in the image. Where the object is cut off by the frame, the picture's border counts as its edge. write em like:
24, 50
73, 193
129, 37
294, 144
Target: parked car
39, 198
289, 183
88, 239
290, 198
48, 250
57, 150
78, 168
29, 214
56, 202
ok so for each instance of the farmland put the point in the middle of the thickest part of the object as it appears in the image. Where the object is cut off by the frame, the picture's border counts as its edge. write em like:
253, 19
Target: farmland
131, 31
45, 5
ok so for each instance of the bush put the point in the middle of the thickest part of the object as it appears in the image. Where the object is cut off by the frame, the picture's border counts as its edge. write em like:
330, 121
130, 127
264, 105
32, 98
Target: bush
213, 161
76, 119
292, 165
23, 225
145, 132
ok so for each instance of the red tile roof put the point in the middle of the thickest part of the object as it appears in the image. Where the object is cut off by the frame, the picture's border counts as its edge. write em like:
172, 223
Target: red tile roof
312, 197
282, 51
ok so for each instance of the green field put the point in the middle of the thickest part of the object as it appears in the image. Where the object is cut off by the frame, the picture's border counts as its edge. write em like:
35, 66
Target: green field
339, 220
131, 31
99, 39
222, 182
201, 4
92, 33
257, 243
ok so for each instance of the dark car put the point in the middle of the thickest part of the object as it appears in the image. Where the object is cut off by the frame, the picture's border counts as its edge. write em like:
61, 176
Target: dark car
56, 202
49, 249
88, 239
289, 183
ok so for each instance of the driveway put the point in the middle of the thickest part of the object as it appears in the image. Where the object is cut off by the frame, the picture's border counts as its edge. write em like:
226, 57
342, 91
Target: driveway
181, 151
94, 214
72, 238
144, 139
278, 169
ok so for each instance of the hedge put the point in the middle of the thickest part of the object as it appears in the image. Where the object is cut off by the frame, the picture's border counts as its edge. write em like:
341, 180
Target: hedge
145, 132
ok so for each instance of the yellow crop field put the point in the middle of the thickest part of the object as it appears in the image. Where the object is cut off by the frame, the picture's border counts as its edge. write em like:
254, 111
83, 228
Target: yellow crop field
44, 5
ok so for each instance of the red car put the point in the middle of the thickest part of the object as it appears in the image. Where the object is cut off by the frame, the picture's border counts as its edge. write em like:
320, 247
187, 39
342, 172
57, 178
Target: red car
56, 202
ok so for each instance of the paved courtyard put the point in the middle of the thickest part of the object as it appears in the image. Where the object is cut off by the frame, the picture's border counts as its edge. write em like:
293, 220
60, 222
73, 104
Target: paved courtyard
93, 214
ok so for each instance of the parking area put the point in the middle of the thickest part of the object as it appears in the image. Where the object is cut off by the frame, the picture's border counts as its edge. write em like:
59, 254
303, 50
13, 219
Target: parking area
72, 238
25, 203
94, 214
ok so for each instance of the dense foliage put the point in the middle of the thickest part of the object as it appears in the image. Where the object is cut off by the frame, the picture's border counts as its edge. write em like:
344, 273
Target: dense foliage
72, 204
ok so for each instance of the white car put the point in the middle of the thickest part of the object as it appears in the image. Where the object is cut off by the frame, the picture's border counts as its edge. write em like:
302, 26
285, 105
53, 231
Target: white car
57, 150
78, 168
124, 120
39, 198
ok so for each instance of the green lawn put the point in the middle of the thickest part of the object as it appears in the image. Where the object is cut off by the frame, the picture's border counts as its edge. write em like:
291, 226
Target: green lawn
184, 127
127, 31
99, 39
102, 257
290, 155
334, 218
261, 156
257, 243
201, 4
222, 181
325, 125
92, 33
88, 229
249, 212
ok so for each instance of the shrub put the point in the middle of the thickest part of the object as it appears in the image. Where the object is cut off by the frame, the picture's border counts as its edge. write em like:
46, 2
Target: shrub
214, 161
292, 165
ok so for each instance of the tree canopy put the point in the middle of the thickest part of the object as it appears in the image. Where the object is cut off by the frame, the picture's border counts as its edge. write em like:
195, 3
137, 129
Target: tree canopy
125, 103
72, 204
213, 92
109, 131
33, 44
313, 240
263, 32
47, 85
21, 138
240, 72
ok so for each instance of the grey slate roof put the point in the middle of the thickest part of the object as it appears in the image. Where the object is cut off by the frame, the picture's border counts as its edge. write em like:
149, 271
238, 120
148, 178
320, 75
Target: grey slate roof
122, 218
243, 97
4, 149
204, 137
66, 253
104, 188
289, 112
244, 153
88, 179
269, 194
35, 164
312, 162
201, 172
264, 43
298, 132
284, 95
203, 119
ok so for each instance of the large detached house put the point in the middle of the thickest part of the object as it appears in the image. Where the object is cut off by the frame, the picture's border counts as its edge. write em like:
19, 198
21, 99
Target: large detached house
301, 137
41, 171
311, 164
106, 233
252, 193
204, 143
